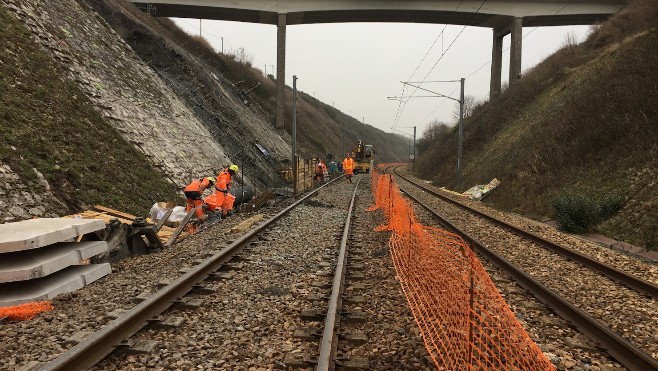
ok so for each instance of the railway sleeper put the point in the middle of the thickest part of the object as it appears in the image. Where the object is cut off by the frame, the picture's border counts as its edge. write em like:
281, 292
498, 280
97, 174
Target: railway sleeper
356, 287
355, 299
347, 317
312, 315
308, 334
317, 297
138, 347
162, 322
188, 303
355, 338
115, 313
197, 262
299, 360
345, 362
239, 259
353, 317
230, 266
203, 290
219, 276
357, 276
141, 297
359, 267
76, 338
162, 284
321, 284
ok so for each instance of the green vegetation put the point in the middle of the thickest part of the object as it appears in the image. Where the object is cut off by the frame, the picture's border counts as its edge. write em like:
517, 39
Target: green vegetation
49, 125
577, 212
583, 119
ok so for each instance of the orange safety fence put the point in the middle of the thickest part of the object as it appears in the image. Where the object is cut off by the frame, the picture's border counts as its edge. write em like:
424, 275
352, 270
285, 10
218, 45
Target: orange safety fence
25, 311
464, 322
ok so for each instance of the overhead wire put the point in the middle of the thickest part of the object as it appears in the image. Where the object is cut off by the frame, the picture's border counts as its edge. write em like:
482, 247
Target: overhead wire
473, 119
443, 53
440, 35
489, 62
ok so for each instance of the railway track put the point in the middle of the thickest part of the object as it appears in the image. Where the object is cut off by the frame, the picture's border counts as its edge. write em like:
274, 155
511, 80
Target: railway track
328, 322
592, 304
234, 312
94, 348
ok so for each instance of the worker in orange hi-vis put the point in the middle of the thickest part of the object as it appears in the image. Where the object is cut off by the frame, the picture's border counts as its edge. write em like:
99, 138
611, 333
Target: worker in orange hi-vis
222, 187
320, 168
348, 167
193, 192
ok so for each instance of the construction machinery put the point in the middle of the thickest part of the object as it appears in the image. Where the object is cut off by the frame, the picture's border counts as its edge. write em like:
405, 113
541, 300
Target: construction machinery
364, 156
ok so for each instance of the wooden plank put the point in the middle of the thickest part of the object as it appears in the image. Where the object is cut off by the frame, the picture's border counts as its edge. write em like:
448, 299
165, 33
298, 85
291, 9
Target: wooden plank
164, 233
246, 224
113, 212
178, 230
163, 219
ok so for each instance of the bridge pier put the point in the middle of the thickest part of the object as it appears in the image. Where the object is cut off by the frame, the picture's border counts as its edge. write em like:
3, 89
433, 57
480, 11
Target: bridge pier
515, 28
280, 70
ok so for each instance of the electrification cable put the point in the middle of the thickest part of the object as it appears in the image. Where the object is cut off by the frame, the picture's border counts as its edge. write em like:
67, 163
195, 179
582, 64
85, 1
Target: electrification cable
489, 62
398, 113
443, 53
473, 119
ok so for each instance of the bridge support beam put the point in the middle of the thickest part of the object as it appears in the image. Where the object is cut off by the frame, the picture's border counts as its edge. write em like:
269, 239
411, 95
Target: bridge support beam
515, 50
515, 28
280, 71
496, 66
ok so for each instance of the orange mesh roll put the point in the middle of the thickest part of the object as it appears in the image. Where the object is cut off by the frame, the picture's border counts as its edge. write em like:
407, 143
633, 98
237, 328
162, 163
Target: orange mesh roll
25, 311
465, 323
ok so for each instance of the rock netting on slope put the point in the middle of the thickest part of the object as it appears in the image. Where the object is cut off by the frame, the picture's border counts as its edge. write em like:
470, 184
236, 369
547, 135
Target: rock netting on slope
128, 93
17, 201
197, 74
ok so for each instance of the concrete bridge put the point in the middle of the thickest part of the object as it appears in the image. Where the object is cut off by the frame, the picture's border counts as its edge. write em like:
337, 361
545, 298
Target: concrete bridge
502, 16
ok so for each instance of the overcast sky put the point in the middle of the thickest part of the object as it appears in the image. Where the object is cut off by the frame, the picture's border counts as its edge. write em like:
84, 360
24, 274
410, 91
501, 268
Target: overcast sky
357, 66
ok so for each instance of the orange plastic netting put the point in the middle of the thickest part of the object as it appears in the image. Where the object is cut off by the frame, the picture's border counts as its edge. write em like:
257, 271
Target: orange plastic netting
25, 311
465, 323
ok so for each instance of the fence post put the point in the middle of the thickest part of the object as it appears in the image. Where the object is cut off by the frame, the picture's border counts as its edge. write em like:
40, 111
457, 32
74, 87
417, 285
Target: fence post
471, 315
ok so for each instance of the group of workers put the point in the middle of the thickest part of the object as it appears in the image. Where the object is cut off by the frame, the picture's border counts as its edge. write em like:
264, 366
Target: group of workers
220, 201
347, 165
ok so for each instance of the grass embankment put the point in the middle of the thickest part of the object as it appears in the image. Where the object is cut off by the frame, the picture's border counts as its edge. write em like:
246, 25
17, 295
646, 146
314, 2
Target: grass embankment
581, 124
48, 124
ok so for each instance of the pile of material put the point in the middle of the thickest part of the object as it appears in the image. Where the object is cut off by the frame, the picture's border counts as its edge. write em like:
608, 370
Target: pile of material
479, 192
42, 258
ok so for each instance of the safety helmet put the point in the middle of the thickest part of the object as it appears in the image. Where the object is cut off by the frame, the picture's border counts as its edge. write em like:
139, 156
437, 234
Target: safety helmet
234, 168
211, 179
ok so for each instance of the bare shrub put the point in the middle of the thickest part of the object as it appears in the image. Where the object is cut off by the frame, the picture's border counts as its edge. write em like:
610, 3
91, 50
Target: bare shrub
570, 40
637, 15
201, 40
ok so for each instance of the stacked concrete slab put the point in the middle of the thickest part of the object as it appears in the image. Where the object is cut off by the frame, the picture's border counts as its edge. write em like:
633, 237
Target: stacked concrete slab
40, 258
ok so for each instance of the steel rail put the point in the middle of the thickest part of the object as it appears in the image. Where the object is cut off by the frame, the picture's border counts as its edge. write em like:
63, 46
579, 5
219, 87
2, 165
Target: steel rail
637, 284
100, 344
629, 355
328, 343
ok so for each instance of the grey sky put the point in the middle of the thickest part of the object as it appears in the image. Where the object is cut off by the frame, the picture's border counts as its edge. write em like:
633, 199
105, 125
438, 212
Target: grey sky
356, 66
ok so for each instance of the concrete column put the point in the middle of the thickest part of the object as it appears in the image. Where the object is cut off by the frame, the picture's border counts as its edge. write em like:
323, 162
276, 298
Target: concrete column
496, 65
515, 50
280, 71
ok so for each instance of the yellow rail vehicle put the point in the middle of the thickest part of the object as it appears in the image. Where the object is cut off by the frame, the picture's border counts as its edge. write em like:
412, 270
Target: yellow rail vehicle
364, 157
